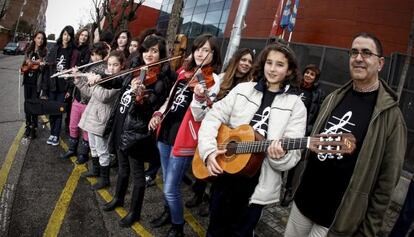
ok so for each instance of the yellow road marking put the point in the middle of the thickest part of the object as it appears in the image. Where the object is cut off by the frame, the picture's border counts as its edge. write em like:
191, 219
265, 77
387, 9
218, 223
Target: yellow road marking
56, 219
189, 218
5, 168
58, 214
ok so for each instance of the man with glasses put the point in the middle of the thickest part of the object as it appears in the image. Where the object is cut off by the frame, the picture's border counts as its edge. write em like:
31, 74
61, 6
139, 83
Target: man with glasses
347, 195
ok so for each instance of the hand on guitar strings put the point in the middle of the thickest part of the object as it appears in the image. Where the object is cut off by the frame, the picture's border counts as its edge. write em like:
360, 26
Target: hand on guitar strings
275, 150
213, 167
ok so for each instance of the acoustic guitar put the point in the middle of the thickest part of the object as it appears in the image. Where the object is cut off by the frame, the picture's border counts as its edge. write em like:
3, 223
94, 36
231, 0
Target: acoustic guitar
246, 149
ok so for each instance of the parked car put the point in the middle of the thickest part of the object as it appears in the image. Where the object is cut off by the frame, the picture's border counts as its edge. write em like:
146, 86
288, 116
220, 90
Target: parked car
11, 48
22, 47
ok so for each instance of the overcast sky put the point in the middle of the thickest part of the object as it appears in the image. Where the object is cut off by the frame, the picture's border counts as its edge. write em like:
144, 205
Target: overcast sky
60, 13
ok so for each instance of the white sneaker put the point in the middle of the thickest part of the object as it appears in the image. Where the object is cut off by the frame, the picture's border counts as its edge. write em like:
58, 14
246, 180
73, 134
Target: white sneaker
55, 141
50, 140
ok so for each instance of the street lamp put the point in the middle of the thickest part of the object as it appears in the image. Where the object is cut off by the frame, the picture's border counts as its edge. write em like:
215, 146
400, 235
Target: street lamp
18, 20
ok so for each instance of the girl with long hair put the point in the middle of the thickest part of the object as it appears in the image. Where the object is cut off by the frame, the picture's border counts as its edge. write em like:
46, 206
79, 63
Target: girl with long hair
273, 112
133, 142
177, 139
63, 56
121, 42
32, 76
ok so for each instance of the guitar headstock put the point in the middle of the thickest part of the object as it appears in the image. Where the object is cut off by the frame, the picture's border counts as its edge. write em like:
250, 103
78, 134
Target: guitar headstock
343, 143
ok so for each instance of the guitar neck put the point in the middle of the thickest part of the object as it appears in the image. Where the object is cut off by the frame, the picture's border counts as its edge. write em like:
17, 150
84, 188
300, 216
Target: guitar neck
261, 146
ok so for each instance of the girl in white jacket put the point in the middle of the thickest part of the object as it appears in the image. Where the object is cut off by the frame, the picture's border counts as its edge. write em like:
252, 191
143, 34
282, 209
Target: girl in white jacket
268, 106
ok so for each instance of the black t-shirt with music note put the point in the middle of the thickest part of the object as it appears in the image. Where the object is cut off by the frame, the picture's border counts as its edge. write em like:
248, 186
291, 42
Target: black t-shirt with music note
326, 177
173, 119
261, 117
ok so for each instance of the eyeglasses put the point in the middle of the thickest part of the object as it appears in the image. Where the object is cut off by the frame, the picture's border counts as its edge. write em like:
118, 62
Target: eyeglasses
365, 53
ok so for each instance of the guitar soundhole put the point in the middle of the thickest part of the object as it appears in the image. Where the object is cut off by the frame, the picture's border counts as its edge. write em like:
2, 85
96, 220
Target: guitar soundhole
231, 148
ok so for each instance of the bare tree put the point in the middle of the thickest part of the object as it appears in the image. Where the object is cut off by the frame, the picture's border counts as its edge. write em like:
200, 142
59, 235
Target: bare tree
117, 14
3, 8
407, 60
173, 24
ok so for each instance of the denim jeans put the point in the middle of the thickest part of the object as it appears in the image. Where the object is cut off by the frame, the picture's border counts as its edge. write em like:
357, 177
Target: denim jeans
165, 152
177, 166
56, 120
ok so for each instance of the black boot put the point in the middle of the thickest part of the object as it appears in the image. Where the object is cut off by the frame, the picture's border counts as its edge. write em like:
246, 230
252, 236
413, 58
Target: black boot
83, 154
119, 197
93, 171
27, 131
33, 133
103, 180
73, 146
176, 230
194, 201
134, 213
163, 219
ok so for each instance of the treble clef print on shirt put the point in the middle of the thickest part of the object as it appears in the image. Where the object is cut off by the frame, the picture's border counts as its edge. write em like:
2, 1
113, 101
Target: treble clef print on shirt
31, 72
337, 126
125, 100
261, 125
180, 100
61, 64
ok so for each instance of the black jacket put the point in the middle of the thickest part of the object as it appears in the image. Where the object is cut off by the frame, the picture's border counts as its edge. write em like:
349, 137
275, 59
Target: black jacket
135, 127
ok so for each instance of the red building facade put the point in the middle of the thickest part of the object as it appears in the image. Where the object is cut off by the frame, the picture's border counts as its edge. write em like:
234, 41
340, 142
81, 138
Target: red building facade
334, 23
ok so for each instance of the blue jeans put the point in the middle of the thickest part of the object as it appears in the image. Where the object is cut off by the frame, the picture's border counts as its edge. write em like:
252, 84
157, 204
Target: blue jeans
56, 120
165, 152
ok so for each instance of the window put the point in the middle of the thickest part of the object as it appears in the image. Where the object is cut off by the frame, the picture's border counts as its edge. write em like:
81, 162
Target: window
216, 6
190, 3
200, 9
199, 18
212, 29
202, 2
224, 16
188, 11
195, 29
227, 5
213, 17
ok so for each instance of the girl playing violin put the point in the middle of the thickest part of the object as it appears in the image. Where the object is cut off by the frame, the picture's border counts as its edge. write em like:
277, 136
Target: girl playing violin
139, 98
32, 69
177, 137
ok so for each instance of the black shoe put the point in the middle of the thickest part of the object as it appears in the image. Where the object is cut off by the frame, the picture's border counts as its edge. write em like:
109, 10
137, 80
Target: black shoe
194, 201
204, 209
83, 153
287, 198
119, 197
103, 180
27, 132
116, 202
176, 230
93, 170
135, 209
163, 219
149, 181
72, 147
33, 133
82, 159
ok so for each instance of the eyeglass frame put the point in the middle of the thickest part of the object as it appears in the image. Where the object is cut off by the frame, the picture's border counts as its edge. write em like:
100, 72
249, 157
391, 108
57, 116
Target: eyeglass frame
365, 53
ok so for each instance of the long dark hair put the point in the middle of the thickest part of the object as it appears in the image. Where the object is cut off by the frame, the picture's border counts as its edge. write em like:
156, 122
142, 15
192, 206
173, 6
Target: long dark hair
293, 79
150, 41
230, 71
71, 32
42, 49
115, 42
198, 43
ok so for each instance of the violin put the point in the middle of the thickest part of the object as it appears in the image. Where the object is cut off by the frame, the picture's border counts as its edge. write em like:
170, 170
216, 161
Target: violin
207, 75
29, 65
147, 77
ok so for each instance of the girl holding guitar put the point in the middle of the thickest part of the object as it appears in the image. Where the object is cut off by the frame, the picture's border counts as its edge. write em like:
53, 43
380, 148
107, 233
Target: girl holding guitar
266, 105
237, 71
177, 137
133, 141
32, 77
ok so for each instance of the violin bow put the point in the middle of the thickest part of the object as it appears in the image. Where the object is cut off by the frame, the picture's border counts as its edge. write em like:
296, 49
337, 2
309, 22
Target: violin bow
131, 70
